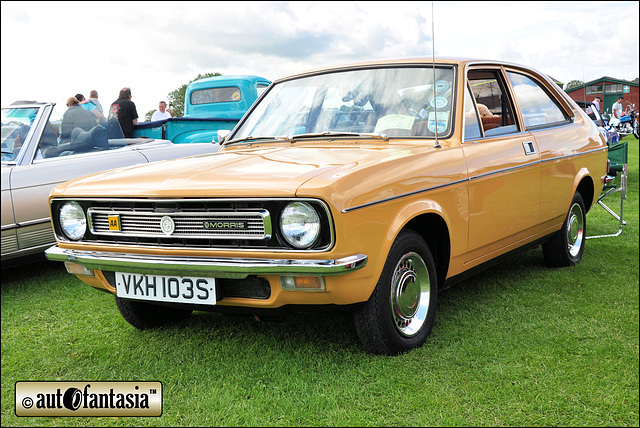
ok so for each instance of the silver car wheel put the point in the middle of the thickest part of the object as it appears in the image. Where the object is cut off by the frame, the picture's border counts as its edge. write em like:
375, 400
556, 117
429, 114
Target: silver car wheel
575, 229
410, 294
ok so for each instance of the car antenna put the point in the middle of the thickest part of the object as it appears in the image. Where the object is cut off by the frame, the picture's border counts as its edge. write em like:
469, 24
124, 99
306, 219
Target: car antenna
584, 86
433, 86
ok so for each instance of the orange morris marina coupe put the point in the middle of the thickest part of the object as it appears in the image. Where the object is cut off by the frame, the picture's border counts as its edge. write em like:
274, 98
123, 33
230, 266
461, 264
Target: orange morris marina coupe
367, 188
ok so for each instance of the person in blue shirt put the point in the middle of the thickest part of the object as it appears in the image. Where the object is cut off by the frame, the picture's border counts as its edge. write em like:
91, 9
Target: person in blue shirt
89, 106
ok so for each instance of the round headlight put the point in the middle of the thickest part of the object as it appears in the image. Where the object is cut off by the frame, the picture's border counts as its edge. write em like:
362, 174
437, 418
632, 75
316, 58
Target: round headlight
300, 224
72, 220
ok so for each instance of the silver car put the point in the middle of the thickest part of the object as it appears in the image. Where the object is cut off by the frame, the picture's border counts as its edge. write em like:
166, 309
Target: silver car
35, 159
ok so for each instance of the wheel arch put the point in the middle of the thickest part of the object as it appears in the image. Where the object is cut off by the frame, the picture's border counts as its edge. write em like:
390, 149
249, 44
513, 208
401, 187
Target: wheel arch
434, 230
586, 188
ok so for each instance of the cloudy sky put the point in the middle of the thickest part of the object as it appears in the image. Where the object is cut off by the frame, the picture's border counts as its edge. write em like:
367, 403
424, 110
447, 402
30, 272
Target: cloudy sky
53, 50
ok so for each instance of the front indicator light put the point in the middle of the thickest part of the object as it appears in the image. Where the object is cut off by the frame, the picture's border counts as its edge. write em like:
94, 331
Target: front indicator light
76, 269
302, 283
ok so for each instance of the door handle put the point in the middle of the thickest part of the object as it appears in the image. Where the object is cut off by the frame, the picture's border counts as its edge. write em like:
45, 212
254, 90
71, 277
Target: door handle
529, 148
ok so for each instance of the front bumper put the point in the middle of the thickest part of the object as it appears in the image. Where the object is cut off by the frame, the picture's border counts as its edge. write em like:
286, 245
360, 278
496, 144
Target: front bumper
219, 267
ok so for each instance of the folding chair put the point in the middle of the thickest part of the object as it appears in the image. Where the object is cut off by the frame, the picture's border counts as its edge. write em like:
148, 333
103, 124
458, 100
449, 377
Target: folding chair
616, 183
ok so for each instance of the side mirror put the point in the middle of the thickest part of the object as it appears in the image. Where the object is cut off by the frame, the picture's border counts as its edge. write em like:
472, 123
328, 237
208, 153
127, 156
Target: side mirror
222, 135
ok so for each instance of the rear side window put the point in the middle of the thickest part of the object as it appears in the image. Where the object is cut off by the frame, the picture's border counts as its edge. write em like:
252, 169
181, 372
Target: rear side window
539, 109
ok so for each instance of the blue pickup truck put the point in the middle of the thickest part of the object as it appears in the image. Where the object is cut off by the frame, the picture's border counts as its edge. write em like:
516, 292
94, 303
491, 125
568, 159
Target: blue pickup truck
211, 104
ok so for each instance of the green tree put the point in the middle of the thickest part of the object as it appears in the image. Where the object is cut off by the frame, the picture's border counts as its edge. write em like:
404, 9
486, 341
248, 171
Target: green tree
175, 99
573, 84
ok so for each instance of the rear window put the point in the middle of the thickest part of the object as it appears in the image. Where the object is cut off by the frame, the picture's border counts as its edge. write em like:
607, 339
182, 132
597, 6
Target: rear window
216, 95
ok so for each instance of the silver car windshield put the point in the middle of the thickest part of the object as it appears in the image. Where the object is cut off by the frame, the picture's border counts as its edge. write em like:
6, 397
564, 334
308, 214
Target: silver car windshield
16, 124
394, 101
79, 130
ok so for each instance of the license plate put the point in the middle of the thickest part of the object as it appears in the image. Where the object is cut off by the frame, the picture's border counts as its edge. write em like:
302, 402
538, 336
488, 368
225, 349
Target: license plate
174, 289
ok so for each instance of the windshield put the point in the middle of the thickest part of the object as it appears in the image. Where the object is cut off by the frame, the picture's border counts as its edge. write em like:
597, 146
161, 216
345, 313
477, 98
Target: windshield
397, 102
16, 124
81, 129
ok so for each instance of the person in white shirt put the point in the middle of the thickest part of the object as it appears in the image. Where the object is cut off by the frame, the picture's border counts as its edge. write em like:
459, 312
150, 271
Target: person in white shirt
161, 113
616, 110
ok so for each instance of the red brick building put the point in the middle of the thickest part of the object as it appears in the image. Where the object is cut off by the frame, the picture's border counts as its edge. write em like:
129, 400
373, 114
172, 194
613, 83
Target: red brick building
608, 89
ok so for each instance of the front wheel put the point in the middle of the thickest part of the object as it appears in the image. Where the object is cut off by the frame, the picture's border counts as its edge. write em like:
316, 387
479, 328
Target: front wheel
144, 315
400, 313
565, 248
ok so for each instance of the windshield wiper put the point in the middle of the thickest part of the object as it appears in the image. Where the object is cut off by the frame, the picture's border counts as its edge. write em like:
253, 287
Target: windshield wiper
292, 138
251, 138
338, 134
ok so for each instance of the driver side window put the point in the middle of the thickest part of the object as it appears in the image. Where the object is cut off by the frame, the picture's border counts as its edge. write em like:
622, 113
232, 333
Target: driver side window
494, 106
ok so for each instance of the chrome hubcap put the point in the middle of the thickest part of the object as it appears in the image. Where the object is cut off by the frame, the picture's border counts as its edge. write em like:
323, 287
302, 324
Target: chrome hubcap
575, 230
410, 294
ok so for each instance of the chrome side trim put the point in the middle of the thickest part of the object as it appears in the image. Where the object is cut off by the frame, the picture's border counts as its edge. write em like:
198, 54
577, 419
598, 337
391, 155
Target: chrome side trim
404, 195
501, 171
575, 154
219, 267
26, 223
475, 177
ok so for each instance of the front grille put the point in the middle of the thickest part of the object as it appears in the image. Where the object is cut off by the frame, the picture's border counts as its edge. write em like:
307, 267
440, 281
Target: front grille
225, 224
204, 225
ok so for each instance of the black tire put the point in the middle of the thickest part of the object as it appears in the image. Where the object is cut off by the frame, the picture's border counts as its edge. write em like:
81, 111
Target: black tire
565, 248
400, 313
143, 315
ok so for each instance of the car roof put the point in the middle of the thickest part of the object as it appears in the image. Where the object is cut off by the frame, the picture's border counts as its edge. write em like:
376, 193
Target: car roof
426, 61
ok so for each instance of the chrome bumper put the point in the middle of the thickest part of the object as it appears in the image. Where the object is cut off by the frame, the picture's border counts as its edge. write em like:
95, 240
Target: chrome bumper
219, 267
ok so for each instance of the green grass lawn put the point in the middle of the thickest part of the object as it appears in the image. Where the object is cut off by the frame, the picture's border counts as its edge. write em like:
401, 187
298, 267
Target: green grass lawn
517, 345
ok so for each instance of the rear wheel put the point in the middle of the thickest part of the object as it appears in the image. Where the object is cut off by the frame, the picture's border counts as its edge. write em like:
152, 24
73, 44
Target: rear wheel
566, 246
400, 313
143, 315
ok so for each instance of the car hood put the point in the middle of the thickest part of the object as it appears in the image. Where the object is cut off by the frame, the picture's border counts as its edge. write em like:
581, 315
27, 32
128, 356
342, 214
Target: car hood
270, 170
